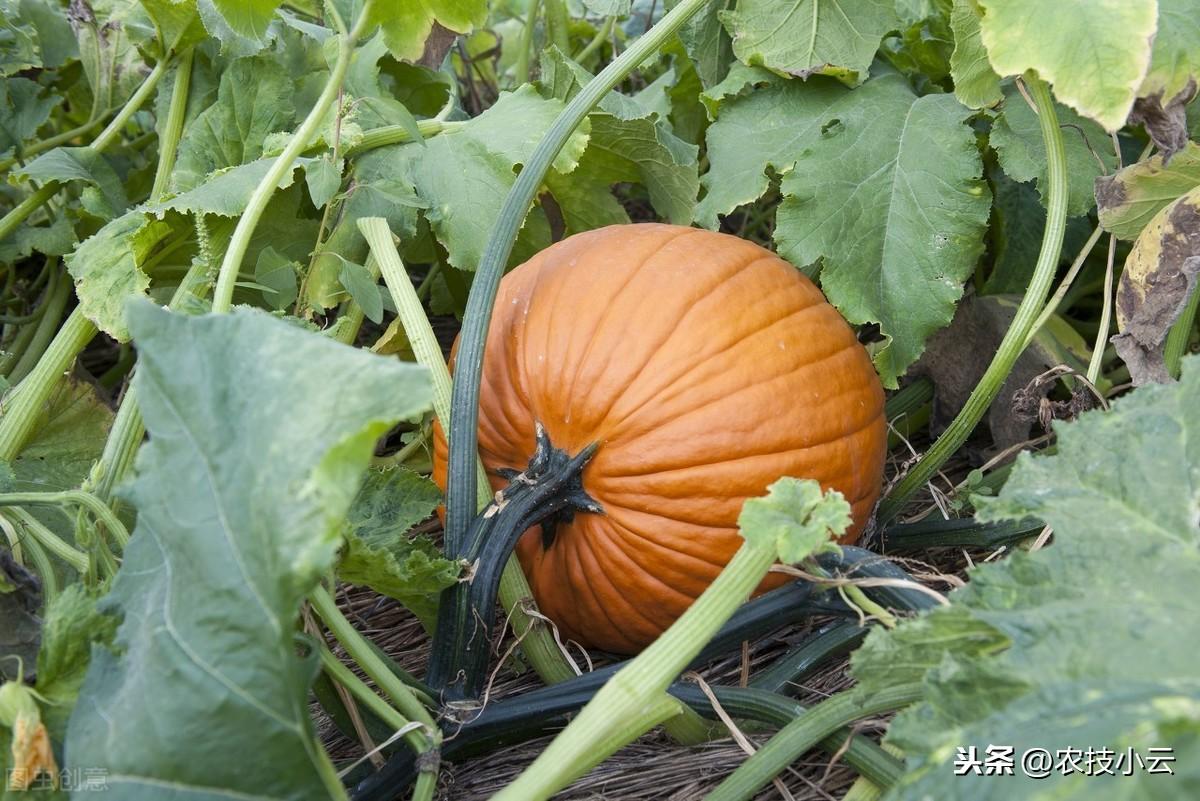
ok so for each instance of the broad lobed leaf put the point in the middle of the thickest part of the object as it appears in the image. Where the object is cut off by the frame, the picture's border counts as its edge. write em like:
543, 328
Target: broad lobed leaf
249, 470
1049, 649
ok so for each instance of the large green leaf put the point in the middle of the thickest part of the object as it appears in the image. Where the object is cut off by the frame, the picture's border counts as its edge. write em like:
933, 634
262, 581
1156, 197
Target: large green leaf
1088, 643
807, 37
1018, 141
382, 555
24, 107
250, 467
881, 186
1130, 198
1094, 52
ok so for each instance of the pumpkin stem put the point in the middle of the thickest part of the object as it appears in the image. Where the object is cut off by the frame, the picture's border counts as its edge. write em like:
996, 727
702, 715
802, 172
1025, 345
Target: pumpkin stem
549, 491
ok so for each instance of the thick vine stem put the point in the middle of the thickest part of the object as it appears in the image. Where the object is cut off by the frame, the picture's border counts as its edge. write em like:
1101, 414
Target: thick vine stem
1015, 338
461, 488
806, 731
634, 699
240, 241
549, 490
537, 641
23, 405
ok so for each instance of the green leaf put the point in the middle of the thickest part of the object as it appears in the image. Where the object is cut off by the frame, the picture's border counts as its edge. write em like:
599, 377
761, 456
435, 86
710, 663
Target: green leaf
226, 192
363, 287
379, 552
1018, 142
23, 109
323, 177
976, 84
707, 42
278, 274
248, 18
1094, 52
1130, 198
55, 239
463, 177
1018, 658
254, 100
69, 436
1175, 57
795, 519
1015, 234
810, 37
886, 193
79, 164
627, 143
925, 42
55, 39
240, 494
72, 625
177, 23
407, 24
18, 40
107, 269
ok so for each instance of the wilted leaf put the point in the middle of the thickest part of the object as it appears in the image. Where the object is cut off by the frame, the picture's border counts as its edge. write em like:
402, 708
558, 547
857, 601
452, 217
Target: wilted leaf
240, 493
1018, 658
1174, 59
795, 519
1159, 276
806, 37
1130, 198
707, 43
20, 605
1094, 52
382, 555
1166, 123
881, 186
958, 355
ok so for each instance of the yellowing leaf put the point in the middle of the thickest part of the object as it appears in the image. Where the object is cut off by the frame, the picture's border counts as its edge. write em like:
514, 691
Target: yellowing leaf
1094, 52
406, 24
1159, 277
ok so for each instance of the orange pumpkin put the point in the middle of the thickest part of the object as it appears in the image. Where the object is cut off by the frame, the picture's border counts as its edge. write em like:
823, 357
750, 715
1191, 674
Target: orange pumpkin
705, 367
